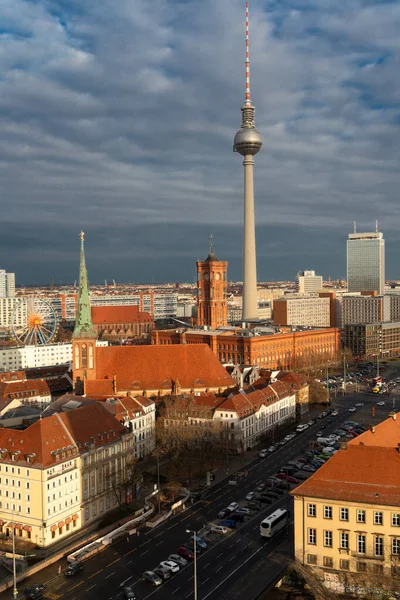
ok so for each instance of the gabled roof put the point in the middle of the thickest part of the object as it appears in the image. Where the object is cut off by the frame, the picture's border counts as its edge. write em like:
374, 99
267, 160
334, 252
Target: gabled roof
358, 474
20, 389
248, 403
158, 367
386, 434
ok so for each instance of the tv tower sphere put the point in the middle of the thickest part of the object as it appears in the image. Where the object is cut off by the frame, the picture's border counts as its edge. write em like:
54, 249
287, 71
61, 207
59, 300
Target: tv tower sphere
248, 139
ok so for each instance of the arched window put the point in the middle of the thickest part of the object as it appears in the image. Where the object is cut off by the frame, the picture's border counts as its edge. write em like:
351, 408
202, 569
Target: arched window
90, 357
76, 357
84, 356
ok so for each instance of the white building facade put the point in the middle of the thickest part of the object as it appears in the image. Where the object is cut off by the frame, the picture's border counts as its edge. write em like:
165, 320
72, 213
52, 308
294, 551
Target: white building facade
307, 282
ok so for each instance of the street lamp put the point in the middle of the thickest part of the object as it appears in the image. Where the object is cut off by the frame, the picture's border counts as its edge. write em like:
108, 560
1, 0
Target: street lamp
158, 482
15, 591
195, 561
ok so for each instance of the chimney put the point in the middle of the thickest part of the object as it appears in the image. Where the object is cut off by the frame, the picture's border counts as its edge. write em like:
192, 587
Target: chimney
343, 445
393, 415
372, 428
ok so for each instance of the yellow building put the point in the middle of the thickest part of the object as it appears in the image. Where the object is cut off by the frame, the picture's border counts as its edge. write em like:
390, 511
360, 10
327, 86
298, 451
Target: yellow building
59, 474
347, 514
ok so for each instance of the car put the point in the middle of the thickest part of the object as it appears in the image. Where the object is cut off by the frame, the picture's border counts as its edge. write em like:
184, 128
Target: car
74, 567
309, 468
265, 499
218, 529
273, 479
250, 496
182, 562
254, 505
185, 553
272, 494
223, 513
352, 409
237, 517
263, 453
243, 511
271, 449
311, 422
261, 487
190, 544
320, 433
34, 591
281, 476
171, 565
229, 523
292, 479
381, 403
358, 404
233, 506
163, 573
282, 443
200, 542
301, 476
152, 577
128, 593
283, 485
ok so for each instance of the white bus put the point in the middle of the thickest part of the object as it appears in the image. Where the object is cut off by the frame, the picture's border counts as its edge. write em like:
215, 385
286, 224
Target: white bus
274, 523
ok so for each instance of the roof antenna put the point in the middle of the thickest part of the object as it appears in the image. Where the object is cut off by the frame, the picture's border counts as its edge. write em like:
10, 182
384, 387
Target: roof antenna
355, 227
376, 226
247, 95
210, 239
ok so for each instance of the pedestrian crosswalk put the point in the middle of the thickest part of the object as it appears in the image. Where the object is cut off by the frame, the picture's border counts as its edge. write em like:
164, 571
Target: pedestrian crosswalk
52, 596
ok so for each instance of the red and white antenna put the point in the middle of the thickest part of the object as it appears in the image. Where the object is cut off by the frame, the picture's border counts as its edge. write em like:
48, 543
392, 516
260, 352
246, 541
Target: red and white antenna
248, 101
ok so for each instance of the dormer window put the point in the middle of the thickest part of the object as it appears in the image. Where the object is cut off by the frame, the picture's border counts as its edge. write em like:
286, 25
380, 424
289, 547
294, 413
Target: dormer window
57, 457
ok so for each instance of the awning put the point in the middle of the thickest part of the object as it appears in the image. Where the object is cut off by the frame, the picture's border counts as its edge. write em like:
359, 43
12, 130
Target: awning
68, 520
2, 522
61, 524
18, 525
11, 524
75, 517
27, 528
53, 528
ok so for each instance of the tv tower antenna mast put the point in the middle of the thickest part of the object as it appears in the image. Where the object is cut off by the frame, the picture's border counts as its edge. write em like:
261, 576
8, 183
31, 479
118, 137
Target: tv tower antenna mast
248, 142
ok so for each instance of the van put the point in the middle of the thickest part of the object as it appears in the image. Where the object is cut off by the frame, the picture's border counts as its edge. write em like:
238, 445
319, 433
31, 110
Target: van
323, 440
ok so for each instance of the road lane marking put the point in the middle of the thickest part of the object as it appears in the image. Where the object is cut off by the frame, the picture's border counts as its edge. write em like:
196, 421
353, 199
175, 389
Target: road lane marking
207, 565
130, 552
190, 578
94, 574
110, 575
205, 581
219, 568
176, 590
75, 586
188, 596
123, 583
219, 555
114, 561
145, 552
160, 542
90, 588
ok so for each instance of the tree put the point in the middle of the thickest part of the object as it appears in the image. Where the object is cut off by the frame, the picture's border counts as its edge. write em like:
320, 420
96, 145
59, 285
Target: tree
123, 482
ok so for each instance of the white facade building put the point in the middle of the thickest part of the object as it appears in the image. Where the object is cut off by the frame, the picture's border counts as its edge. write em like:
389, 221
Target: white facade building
7, 284
307, 282
29, 357
7, 307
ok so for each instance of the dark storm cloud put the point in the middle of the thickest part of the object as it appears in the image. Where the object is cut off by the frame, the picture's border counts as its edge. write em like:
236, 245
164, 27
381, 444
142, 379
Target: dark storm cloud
118, 118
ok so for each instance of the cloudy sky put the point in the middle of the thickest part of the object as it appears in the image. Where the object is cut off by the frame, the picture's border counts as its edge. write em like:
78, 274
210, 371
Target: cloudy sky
118, 117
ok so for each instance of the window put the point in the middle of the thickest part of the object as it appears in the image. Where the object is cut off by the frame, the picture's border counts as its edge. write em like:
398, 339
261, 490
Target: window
361, 543
312, 536
327, 512
344, 540
344, 514
86, 514
378, 518
328, 561
361, 516
328, 539
396, 546
312, 510
361, 567
378, 545
312, 559
396, 519
344, 564
377, 569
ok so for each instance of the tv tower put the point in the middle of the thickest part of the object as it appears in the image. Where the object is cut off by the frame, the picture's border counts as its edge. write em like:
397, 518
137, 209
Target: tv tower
248, 142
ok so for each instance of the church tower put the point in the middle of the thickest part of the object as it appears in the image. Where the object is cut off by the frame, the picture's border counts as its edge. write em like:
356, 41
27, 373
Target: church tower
84, 336
212, 307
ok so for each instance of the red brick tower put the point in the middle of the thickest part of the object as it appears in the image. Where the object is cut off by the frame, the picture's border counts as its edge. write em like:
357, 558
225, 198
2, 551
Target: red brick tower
212, 307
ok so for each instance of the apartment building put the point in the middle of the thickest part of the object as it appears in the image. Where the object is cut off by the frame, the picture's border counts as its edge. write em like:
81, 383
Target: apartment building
7, 284
347, 514
7, 308
311, 311
365, 309
307, 282
57, 475
369, 340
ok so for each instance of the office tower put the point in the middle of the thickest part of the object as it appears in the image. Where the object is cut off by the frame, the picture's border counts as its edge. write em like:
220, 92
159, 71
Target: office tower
248, 142
307, 282
211, 290
366, 262
7, 284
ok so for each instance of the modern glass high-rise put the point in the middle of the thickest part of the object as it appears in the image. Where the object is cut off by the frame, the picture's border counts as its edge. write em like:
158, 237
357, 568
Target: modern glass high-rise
366, 262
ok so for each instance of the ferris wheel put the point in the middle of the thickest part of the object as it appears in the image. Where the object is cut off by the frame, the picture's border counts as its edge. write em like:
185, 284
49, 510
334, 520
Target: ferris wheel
33, 322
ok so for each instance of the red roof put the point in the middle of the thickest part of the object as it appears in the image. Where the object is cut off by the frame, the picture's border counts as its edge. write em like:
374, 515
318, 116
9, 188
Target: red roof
358, 474
245, 404
159, 367
23, 389
386, 433
102, 315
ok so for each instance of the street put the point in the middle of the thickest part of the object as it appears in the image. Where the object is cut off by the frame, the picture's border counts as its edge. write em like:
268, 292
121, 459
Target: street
230, 559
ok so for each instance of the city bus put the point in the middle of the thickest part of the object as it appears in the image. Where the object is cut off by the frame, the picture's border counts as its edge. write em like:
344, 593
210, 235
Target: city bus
274, 523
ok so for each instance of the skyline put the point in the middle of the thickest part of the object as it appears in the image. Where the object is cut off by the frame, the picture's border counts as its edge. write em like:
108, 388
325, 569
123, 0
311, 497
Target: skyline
92, 138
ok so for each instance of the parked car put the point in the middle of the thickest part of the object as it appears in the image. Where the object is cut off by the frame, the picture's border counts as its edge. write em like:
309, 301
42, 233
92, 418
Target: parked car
292, 479
74, 567
237, 517
281, 476
270, 495
353, 409
271, 449
152, 577
229, 523
263, 453
358, 404
185, 553
261, 487
163, 573
200, 542
309, 468
253, 505
171, 565
250, 496
190, 544
381, 403
334, 413
34, 592
128, 593
243, 511
233, 506
223, 513
283, 485
182, 562
301, 476
218, 529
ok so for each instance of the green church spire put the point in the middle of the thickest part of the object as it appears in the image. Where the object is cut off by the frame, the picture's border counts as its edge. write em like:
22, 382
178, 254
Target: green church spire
83, 325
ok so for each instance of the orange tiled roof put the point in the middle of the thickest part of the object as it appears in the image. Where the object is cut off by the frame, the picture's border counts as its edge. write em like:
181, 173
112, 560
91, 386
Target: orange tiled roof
99, 387
386, 433
292, 378
245, 404
20, 389
64, 432
119, 314
358, 474
158, 367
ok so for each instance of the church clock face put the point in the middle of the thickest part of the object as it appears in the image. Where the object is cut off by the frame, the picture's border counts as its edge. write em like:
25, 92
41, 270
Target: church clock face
206, 276
217, 276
